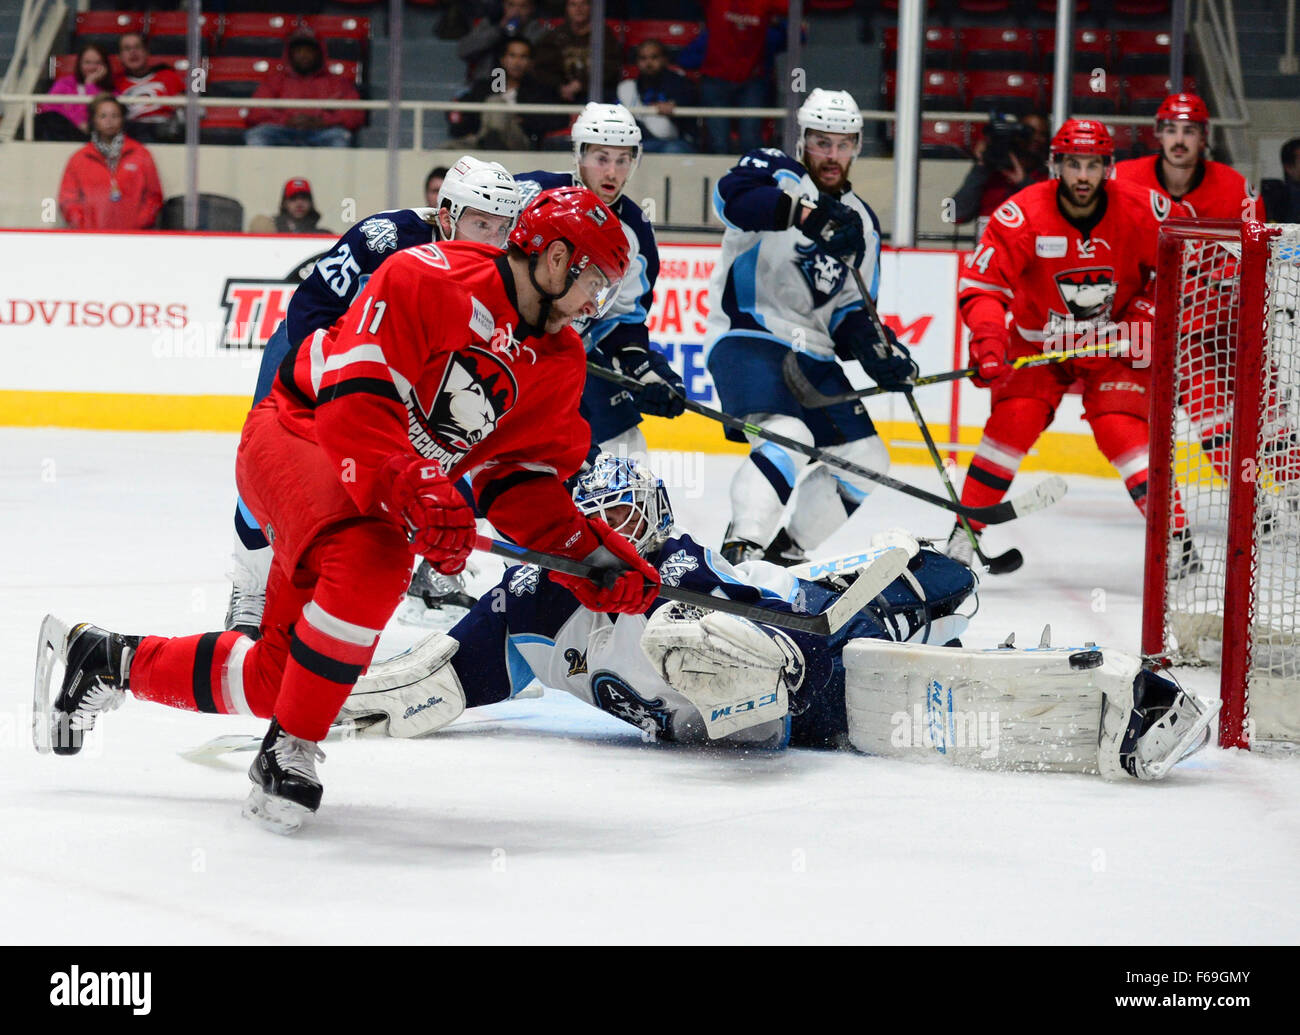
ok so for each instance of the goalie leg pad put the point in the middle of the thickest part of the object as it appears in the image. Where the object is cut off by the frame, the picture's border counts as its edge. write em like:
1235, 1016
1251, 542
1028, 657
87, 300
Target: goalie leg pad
992, 709
736, 672
417, 692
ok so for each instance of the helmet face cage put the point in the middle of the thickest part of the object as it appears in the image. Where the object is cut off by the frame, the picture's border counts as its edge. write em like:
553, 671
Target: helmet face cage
484, 186
619, 481
829, 111
605, 125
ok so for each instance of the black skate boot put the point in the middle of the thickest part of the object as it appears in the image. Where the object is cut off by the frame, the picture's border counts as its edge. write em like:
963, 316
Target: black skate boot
97, 673
1183, 558
784, 551
285, 786
735, 551
247, 603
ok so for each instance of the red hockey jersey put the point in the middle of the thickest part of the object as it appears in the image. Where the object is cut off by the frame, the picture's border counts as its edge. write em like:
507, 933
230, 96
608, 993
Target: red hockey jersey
1218, 190
434, 359
1057, 280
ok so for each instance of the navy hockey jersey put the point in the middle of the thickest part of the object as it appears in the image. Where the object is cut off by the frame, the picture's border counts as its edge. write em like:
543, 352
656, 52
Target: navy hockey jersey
340, 275
625, 322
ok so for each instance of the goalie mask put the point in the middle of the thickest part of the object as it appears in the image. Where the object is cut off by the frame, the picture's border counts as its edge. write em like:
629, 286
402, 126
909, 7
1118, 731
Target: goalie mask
629, 498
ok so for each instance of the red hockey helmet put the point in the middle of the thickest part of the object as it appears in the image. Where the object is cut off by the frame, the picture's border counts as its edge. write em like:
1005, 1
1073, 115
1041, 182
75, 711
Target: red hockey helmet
1082, 137
1183, 107
577, 216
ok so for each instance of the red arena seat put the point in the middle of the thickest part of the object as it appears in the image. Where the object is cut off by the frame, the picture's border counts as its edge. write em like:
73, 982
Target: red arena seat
1003, 48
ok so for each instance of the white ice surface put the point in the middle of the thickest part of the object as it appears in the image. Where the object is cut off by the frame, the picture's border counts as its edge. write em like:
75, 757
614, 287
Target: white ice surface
543, 820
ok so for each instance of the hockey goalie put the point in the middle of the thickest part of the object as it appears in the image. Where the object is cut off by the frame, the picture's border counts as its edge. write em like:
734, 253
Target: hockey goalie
893, 681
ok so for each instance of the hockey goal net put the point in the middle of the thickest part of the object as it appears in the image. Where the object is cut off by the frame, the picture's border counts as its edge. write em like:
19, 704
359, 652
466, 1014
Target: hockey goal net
1223, 531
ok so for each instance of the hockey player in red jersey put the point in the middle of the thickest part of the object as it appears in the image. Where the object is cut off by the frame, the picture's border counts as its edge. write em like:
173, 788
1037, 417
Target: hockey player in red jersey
1209, 190
1181, 172
1069, 261
457, 359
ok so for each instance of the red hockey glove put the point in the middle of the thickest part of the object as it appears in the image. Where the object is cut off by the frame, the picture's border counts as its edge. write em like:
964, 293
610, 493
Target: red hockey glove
631, 593
988, 353
421, 499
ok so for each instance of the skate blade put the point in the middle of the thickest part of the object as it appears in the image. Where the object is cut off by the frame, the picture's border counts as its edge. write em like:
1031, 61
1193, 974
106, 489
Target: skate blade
50, 648
278, 815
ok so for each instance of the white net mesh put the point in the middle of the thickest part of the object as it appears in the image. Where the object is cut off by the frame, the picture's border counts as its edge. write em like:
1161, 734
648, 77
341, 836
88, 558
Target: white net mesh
1206, 345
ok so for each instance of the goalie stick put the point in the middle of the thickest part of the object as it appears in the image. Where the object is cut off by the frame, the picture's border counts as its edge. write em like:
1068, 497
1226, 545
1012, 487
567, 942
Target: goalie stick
879, 573
1003, 563
807, 394
1042, 495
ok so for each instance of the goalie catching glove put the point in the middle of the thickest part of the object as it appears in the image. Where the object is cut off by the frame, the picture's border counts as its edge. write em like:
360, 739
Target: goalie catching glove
736, 672
663, 394
438, 522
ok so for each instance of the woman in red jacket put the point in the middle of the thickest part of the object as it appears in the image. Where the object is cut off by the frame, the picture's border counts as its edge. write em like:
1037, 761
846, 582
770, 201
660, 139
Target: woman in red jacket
111, 183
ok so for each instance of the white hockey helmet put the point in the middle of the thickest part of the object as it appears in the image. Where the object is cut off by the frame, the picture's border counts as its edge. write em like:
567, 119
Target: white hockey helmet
485, 186
613, 481
608, 124
831, 111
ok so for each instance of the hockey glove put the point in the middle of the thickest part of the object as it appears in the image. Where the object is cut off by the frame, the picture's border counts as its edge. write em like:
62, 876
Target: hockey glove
662, 394
988, 353
836, 229
637, 582
422, 500
887, 362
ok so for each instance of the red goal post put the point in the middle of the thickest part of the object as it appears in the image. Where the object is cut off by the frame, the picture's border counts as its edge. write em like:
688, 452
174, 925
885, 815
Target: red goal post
1226, 358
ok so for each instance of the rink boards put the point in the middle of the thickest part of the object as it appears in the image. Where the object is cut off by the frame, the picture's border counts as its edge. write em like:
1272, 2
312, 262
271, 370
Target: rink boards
164, 332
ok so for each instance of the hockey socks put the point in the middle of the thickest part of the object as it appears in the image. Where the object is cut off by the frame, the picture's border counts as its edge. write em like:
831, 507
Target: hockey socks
1013, 427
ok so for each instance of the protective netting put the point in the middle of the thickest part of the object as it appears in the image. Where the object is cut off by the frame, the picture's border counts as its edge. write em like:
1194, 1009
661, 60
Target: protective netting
1207, 341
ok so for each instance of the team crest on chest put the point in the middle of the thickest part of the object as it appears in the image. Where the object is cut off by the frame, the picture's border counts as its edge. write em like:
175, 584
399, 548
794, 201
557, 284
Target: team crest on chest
476, 391
1087, 293
614, 695
825, 276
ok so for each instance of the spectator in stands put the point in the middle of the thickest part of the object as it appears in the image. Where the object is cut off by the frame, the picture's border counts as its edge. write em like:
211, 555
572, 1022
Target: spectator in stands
111, 183
142, 77
90, 77
513, 83
564, 56
433, 184
1282, 197
1010, 155
297, 213
479, 49
663, 88
306, 78
740, 42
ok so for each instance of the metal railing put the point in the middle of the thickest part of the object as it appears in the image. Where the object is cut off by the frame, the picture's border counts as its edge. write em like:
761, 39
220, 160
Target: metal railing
38, 24
1215, 26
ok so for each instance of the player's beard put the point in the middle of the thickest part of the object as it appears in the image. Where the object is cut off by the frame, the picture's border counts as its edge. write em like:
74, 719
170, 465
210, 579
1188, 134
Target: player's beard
1069, 195
820, 169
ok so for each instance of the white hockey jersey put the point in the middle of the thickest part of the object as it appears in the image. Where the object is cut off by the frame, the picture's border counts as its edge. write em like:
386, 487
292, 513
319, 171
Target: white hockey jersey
775, 284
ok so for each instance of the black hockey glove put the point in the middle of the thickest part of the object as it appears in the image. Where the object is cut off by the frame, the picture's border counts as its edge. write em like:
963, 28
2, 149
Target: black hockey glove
887, 362
663, 394
836, 229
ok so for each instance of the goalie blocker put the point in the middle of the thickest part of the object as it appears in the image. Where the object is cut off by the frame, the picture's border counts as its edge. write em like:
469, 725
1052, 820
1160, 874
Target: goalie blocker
1068, 709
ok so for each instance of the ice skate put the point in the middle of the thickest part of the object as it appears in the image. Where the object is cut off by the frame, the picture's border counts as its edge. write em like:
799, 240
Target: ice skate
97, 666
959, 546
435, 600
247, 600
286, 789
784, 551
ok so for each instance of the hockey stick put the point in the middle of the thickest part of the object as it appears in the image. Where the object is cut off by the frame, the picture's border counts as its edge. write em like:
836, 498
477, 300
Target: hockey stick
870, 583
807, 394
1042, 495
212, 752
1003, 563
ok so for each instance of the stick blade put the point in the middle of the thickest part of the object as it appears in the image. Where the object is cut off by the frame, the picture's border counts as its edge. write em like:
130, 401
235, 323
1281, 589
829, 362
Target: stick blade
1041, 496
869, 584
